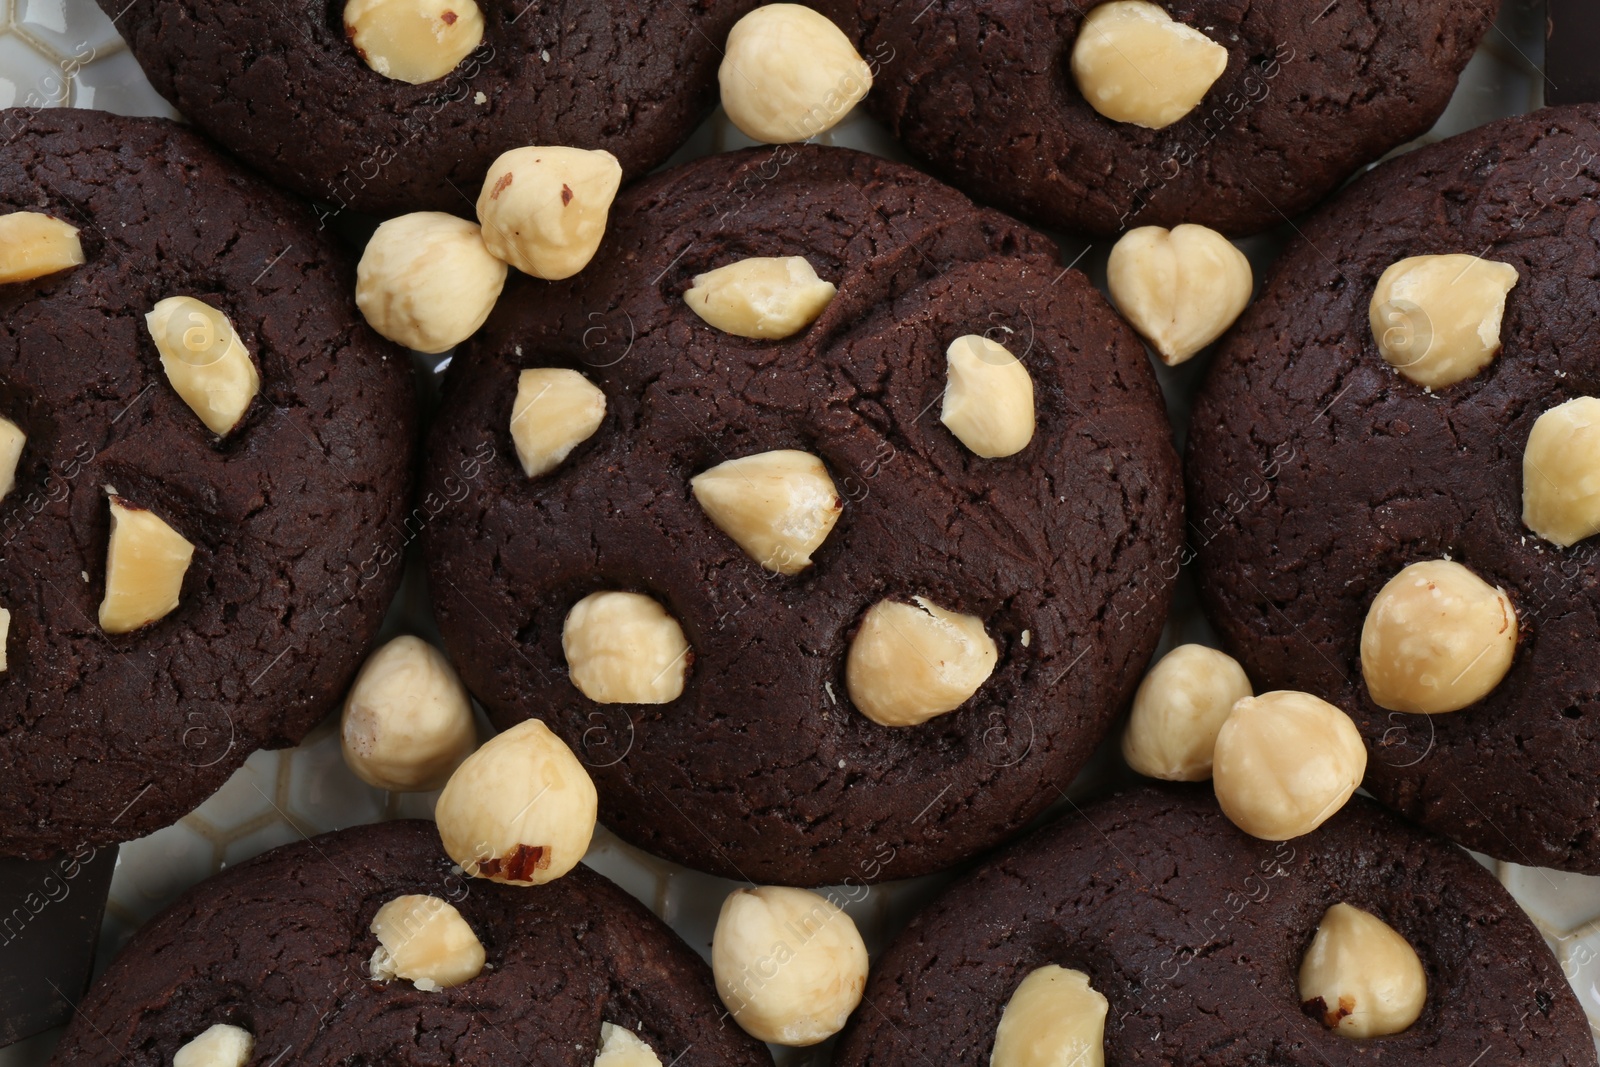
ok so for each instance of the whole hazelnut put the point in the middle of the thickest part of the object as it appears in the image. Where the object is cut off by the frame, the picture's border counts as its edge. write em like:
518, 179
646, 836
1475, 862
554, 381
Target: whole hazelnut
1360, 977
778, 506
769, 297
1134, 63
204, 360
1285, 763
789, 964
988, 400
427, 281
544, 208
1180, 289
1178, 710
33, 245
520, 810
789, 74
413, 41
623, 648
1437, 318
11, 441
407, 722
1561, 473
556, 410
911, 662
1054, 1019
425, 941
1437, 638
145, 563
218, 1045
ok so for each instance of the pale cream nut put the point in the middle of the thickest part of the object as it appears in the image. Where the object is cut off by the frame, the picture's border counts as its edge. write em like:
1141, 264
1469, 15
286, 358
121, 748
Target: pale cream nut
762, 297
1180, 706
205, 361
1436, 319
1284, 763
145, 563
778, 506
623, 648
1180, 289
544, 208
5, 636
1436, 639
1054, 1019
911, 662
1134, 63
1561, 473
219, 1045
988, 400
413, 41
789, 73
555, 411
407, 722
621, 1047
33, 245
11, 441
1360, 976
427, 281
425, 941
520, 810
789, 964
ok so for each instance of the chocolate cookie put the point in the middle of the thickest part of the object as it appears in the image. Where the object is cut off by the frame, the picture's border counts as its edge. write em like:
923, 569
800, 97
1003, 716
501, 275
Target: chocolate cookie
1194, 933
762, 768
280, 946
283, 87
985, 94
294, 514
1318, 471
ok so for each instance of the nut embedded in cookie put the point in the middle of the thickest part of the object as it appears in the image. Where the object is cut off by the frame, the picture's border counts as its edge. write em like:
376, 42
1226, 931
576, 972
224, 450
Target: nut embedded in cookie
1437, 319
555, 411
1178, 710
778, 506
425, 941
11, 441
145, 563
1054, 1019
407, 722
219, 1045
544, 208
1180, 288
1134, 63
1436, 638
428, 281
1360, 977
1561, 473
413, 41
911, 662
988, 401
789, 73
1285, 763
770, 297
621, 1047
204, 360
33, 245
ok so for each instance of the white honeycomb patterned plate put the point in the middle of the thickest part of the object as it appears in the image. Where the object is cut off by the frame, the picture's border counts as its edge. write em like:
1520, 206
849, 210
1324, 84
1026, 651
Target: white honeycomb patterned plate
68, 53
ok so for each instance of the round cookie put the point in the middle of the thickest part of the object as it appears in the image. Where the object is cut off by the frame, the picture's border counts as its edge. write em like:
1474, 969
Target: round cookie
280, 947
283, 88
1317, 472
985, 95
295, 515
762, 768
1194, 931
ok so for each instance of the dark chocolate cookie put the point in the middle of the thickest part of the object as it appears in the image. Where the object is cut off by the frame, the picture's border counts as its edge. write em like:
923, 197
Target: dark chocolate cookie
1317, 472
295, 515
762, 768
984, 93
282, 87
1194, 932
280, 945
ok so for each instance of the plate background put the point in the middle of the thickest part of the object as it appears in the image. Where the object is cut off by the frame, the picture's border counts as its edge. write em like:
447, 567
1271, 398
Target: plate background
68, 53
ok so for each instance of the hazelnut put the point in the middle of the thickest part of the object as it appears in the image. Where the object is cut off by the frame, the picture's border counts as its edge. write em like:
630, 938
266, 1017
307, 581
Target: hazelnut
778, 506
623, 648
413, 41
145, 563
1180, 706
1437, 318
988, 402
520, 810
407, 722
219, 1045
427, 281
1360, 977
1284, 763
1054, 1019
789, 964
1560, 473
789, 74
556, 410
204, 360
621, 1047
11, 441
1180, 289
1134, 63
5, 636
544, 208
425, 941
1437, 638
34, 245
760, 297
911, 662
